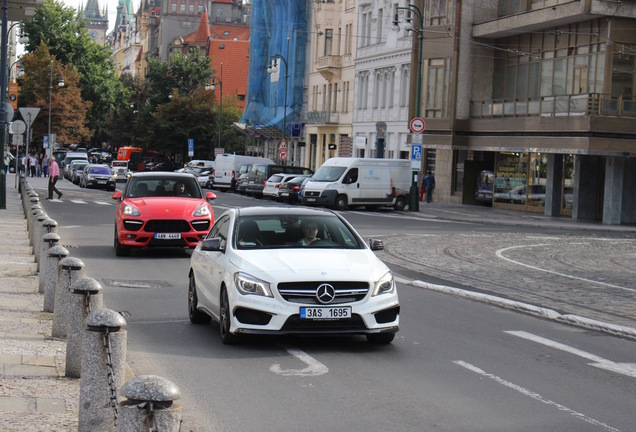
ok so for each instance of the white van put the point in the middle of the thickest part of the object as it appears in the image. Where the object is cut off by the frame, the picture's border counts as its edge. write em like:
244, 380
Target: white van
342, 182
227, 166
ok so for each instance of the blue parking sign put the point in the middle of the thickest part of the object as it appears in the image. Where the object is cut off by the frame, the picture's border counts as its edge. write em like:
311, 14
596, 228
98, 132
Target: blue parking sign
190, 147
416, 152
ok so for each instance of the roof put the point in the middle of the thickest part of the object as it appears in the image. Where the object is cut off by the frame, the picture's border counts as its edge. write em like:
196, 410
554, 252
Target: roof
161, 174
234, 56
278, 210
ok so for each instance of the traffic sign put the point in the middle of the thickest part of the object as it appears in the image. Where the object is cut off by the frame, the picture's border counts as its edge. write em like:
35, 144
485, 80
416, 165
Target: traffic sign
190, 147
283, 145
417, 125
282, 155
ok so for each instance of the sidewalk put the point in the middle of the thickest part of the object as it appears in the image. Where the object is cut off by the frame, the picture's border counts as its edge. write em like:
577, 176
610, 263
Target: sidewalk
34, 394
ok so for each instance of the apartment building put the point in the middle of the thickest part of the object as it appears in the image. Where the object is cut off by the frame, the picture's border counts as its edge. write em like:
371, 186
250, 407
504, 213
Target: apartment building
540, 93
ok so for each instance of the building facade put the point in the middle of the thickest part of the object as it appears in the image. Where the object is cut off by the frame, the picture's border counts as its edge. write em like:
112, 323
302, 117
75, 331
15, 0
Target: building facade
541, 95
96, 21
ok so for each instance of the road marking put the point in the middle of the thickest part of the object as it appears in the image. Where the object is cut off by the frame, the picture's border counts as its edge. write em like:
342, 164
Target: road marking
76, 201
535, 396
628, 369
103, 203
500, 255
314, 367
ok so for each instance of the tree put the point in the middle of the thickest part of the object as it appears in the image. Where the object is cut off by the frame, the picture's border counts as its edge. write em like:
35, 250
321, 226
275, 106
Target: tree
63, 31
68, 109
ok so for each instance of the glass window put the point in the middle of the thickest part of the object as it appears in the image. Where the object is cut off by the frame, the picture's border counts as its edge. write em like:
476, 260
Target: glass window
328, 41
510, 178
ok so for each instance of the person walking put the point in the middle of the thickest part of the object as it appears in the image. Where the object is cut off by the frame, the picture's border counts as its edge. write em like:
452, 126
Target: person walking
45, 166
428, 183
54, 173
38, 167
33, 161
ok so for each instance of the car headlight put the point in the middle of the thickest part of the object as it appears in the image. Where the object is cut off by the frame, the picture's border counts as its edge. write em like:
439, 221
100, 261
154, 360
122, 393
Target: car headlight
384, 285
111, 178
247, 284
331, 186
202, 211
131, 210
115, 175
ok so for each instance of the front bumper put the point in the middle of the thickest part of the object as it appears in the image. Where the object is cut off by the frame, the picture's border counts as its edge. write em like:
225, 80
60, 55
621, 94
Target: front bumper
139, 234
324, 198
253, 314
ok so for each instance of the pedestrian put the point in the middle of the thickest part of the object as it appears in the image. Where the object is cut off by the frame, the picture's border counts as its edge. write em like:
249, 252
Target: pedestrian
54, 173
33, 161
422, 192
21, 167
428, 183
38, 167
45, 166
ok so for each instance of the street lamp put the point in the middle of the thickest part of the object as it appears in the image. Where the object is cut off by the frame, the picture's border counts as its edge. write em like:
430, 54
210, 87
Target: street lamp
60, 84
414, 205
215, 79
273, 67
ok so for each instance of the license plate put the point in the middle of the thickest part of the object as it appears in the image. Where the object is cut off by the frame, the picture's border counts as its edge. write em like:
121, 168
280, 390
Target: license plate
167, 236
325, 313
101, 181
310, 199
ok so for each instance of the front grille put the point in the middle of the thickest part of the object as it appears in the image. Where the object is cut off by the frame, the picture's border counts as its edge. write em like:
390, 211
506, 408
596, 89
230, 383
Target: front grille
312, 194
305, 292
295, 324
167, 226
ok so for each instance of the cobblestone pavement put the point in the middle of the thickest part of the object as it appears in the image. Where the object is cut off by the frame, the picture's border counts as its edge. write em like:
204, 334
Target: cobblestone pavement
582, 273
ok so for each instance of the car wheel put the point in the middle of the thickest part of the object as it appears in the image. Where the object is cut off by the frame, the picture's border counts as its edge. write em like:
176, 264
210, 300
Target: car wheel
400, 203
196, 316
380, 338
119, 249
341, 202
224, 320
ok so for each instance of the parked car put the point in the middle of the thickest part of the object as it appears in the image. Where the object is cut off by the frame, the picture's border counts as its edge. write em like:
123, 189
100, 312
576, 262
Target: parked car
65, 166
77, 166
273, 185
241, 183
291, 270
120, 170
97, 176
289, 190
202, 175
161, 209
159, 165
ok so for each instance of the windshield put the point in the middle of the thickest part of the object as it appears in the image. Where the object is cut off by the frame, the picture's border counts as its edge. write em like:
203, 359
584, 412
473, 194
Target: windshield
328, 173
158, 187
99, 170
294, 231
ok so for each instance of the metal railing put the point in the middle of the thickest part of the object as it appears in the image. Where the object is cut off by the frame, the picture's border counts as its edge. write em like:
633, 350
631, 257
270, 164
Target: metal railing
591, 104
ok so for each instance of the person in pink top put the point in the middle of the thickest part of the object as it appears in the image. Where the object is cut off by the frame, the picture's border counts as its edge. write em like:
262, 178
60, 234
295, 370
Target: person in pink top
54, 173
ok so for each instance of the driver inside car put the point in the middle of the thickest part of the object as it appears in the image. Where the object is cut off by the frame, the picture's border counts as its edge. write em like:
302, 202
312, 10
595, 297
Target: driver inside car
309, 230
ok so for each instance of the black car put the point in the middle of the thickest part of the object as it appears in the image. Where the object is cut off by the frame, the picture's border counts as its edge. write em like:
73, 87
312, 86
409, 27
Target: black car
98, 176
288, 191
163, 165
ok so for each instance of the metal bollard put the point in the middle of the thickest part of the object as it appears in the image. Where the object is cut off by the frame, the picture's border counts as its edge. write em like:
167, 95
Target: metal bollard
103, 369
46, 226
48, 241
55, 255
86, 296
149, 406
30, 193
70, 270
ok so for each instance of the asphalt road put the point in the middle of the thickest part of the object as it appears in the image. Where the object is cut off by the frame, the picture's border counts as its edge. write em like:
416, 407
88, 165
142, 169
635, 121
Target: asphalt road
455, 365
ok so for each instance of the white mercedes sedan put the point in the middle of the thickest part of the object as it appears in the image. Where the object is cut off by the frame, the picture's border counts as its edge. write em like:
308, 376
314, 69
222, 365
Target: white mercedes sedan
284, 270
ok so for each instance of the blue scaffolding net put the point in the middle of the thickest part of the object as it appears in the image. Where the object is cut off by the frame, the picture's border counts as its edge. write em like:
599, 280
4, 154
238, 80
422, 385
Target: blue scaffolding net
278, 32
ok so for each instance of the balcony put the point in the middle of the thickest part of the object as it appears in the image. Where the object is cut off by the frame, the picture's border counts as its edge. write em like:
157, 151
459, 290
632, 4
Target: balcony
322, 117
329, 66
593, 104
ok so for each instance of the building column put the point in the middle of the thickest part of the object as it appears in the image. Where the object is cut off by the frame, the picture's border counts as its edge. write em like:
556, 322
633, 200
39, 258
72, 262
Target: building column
585, 185
619, 206
554, 185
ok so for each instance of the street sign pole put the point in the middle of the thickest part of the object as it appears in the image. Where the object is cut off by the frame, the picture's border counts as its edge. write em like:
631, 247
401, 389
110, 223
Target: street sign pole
417, 126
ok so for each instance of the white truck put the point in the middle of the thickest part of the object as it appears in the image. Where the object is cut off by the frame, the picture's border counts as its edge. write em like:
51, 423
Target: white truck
342, 182
227, 166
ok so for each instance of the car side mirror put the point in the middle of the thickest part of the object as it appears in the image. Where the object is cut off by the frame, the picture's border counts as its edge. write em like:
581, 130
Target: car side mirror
376, 244
212, 245
210, 196
117, 196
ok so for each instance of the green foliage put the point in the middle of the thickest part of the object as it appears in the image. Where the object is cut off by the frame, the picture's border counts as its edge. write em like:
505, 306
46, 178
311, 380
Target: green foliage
60, 28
